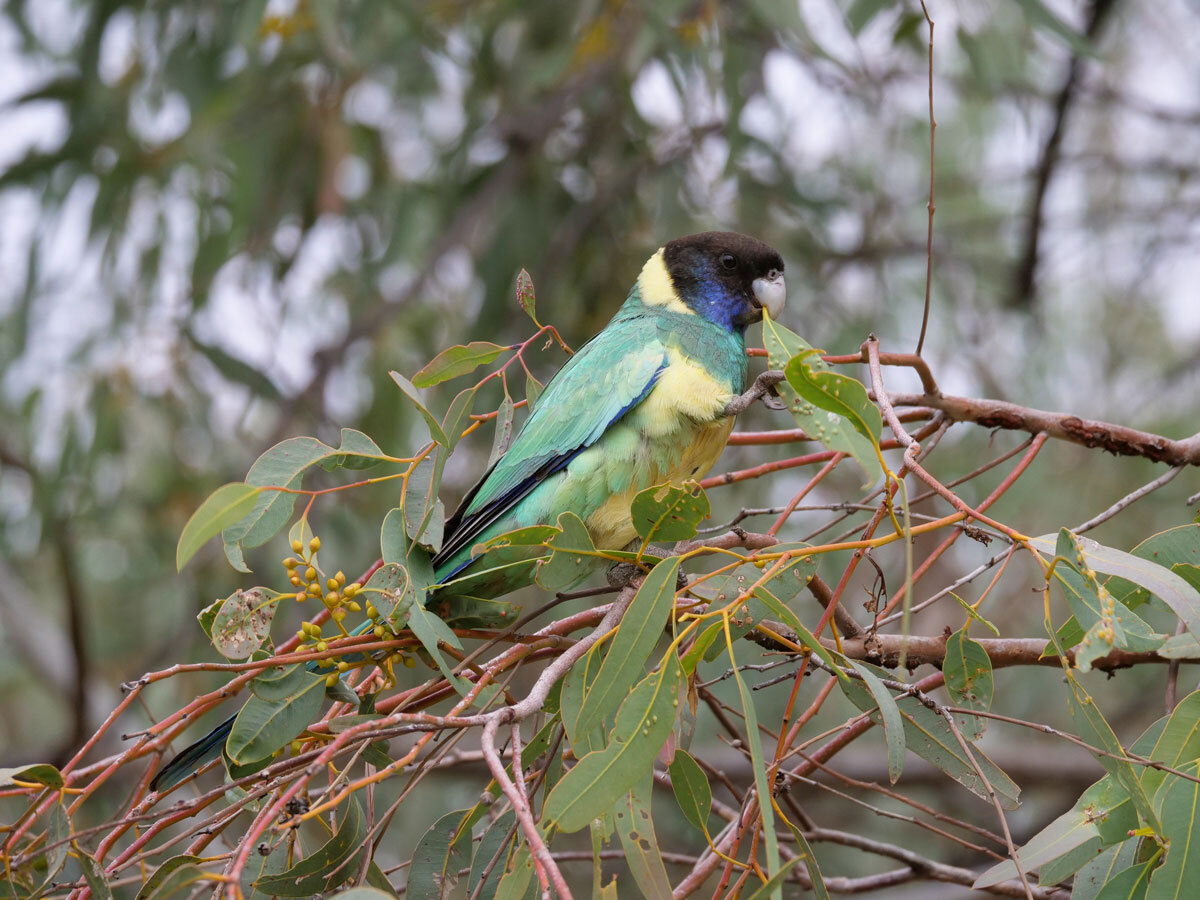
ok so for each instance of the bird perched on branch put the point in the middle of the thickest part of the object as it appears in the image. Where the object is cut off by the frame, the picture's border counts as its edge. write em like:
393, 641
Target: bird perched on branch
642, 403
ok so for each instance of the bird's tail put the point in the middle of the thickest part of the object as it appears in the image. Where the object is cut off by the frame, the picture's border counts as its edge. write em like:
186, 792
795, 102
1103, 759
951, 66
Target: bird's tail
193, 758
208, 749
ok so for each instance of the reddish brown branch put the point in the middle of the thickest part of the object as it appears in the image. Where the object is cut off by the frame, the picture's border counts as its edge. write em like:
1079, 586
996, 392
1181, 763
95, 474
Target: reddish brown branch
1117, 439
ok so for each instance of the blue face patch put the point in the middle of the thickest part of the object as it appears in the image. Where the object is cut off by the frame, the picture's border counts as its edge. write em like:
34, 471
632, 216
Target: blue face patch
715, 299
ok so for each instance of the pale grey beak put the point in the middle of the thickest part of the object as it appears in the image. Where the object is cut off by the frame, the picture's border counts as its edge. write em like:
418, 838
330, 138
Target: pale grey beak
771, 293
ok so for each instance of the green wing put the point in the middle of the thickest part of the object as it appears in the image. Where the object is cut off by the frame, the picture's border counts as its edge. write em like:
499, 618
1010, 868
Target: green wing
609, 375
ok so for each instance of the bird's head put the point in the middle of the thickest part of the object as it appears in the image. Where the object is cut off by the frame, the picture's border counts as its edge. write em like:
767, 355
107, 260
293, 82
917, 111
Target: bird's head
727, 278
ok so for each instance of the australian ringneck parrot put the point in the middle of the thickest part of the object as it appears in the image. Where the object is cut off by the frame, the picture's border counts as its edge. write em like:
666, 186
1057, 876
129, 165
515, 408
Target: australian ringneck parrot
642, 403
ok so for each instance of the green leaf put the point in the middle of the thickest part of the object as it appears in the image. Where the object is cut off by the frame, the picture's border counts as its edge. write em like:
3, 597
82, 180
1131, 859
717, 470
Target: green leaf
514, 885
177, 876
1178, 742
776, 881
1092, 877
968, 672
438, 856
410, 391
335, 862
525, 295
600, 778
58, 829
1095, 730
363, 893
1180, 804
665, 512
395, 547
533, 390
456, 415
424, 514
227, 505
758, 764
893, 722
572, 555
391, 591
1131, 884
429, 630
1183, 598
635, 829
1177, 549
804, 853
639, 631
206, 616
928, 734
37, 773
693, 793
263, 726
835, 393
1070, 836
460, 359
802, 634
700, 647
93, 874
499, 835
504, 430
244, 621
356, 451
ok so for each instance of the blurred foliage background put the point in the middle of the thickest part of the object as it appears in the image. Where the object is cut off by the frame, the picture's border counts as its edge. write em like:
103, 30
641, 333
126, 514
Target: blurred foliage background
223, 223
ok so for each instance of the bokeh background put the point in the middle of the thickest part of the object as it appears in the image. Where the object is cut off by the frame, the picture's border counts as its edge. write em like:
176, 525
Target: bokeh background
221, 224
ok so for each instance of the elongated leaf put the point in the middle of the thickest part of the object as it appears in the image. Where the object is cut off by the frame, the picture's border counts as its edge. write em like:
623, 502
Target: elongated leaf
1182, 597
391, 591
968, 671
335, 862
572, 555
1071, 836
396, 547
283, 466
456, 416
642, 726
1179, 873
175, 876
1094, 876
635, 829
438, 856
518, 877
244, 621
803, 635
1131, 883
460, 359
758, 763
1178, 743
504, 430
775, 882
1176, 549
525, 295
669, 513
804, 853
640, 628
410, 391
831, 429
424, 513
37, 773
227, 505
692, 790
429, 630
893, 722
497, 839
263, 726
363, 893
928, 735
58, 829
93, 874
1093, 728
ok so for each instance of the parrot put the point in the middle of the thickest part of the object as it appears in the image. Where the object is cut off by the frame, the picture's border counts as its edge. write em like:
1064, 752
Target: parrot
640, 404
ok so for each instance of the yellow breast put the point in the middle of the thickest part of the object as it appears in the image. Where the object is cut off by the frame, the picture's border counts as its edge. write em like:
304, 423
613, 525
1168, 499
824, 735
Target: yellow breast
681, 433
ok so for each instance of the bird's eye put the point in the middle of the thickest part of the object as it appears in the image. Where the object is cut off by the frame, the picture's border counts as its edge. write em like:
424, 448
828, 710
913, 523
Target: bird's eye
728, 260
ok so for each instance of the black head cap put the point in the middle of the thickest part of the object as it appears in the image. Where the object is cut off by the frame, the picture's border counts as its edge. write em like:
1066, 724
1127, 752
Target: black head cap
726, 277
